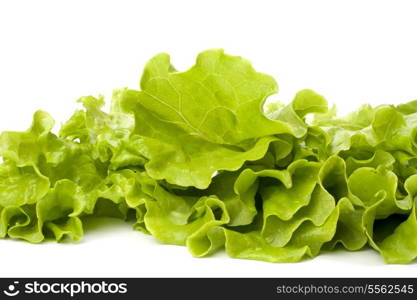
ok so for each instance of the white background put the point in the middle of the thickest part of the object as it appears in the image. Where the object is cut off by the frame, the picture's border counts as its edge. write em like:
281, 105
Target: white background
52, 52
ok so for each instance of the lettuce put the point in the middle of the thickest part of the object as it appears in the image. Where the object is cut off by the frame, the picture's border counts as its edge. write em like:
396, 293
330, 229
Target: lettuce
195, 160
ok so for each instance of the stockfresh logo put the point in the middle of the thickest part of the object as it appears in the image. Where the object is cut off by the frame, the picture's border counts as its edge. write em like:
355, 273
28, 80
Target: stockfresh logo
65, 288
12, 289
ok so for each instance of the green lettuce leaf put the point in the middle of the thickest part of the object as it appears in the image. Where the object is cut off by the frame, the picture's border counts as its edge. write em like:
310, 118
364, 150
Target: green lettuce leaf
208, 118
194, 159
